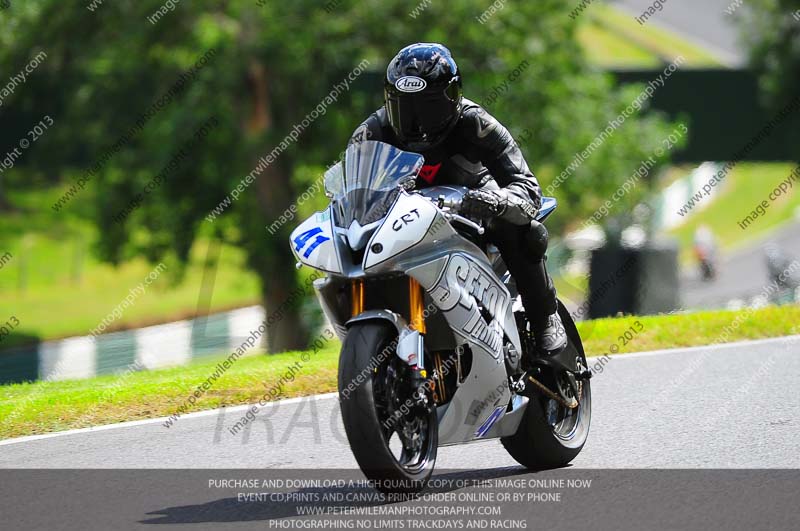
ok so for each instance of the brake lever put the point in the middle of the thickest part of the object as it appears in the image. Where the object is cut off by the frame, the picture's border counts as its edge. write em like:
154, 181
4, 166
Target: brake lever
449, 216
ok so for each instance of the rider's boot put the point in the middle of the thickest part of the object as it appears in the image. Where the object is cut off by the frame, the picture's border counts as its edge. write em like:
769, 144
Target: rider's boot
549, 334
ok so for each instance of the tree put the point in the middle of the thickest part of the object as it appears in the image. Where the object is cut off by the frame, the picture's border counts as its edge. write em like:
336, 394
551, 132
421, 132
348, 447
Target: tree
270, 65
771, 31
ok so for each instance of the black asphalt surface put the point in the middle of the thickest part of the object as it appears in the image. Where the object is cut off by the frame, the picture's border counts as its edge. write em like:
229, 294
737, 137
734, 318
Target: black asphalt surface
730, 407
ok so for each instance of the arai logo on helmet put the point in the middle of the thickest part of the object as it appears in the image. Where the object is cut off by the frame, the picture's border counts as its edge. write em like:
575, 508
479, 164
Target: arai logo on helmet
410, 84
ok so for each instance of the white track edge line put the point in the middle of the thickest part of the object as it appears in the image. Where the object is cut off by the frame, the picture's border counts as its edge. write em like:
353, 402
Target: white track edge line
702, 348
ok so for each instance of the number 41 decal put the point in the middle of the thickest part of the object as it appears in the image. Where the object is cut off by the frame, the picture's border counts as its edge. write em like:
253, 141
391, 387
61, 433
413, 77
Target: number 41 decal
302, 240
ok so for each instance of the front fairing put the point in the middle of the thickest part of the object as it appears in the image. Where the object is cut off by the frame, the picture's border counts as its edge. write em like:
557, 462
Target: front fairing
412, 221
411, 227
313, 243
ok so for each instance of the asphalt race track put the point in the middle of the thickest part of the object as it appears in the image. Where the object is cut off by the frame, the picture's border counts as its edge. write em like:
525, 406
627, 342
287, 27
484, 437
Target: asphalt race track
702, 438
728, 406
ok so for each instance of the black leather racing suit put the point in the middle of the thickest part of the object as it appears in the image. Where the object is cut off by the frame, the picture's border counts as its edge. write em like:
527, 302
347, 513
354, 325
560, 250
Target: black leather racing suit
480, 153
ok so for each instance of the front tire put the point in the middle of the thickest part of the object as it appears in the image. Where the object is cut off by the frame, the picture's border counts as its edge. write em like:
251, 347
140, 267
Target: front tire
550, 435
371, 392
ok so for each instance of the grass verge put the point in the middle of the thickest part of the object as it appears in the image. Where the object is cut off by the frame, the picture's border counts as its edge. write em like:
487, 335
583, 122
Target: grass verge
55, 286
619, 37
42, 407
606, 49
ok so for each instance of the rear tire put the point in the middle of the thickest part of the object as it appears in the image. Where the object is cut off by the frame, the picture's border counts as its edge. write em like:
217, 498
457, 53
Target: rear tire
367, 354
538, 444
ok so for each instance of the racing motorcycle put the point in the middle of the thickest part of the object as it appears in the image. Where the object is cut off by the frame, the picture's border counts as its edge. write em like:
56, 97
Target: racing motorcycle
436, 348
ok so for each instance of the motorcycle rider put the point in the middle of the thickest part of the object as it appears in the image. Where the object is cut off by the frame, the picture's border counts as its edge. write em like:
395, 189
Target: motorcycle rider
424, 112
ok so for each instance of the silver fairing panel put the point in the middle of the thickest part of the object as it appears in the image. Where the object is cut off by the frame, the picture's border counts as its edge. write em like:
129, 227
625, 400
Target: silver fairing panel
416, 239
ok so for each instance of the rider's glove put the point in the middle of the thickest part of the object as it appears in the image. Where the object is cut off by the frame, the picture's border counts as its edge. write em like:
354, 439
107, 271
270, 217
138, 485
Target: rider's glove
483, 204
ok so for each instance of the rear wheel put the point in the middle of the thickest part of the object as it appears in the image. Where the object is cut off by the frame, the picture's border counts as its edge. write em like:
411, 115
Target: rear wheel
393, 437
550, 434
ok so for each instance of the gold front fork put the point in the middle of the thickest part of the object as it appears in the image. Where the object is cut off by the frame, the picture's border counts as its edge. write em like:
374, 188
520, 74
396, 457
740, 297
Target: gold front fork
416, 305
357, 297
416, 302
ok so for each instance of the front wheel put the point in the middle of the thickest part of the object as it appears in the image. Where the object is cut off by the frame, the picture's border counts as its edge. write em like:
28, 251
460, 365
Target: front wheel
393, 438
550, 434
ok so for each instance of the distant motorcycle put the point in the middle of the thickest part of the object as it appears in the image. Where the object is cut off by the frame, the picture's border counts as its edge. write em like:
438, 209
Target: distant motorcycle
781, 271
436, 347
705, 251
707, 262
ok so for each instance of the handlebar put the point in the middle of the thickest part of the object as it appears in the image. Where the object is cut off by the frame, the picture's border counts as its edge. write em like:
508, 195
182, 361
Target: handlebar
452, 206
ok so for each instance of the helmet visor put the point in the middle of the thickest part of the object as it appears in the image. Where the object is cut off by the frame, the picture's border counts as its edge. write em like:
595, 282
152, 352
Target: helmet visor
420, 117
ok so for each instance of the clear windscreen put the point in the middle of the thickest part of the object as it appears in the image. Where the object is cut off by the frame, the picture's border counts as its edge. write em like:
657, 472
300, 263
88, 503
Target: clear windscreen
365, 185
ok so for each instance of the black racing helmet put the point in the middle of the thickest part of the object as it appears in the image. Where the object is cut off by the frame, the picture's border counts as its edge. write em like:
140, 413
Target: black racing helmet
422, 92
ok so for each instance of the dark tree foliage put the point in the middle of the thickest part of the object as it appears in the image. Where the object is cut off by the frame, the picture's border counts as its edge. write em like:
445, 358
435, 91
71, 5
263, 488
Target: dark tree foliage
271, 63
